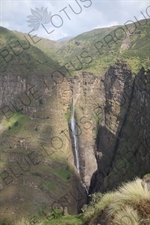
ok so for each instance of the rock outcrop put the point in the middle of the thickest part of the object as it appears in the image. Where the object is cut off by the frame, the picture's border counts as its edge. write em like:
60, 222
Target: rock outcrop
123, 136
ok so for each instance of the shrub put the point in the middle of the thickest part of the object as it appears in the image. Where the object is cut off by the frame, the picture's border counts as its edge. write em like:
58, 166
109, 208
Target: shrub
97, 205
131, 194
25, 221
128, 205
16, 123
41, 101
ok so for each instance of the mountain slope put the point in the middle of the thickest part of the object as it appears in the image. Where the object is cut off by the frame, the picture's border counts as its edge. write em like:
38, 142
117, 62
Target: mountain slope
99, 107
100, 48
19, 54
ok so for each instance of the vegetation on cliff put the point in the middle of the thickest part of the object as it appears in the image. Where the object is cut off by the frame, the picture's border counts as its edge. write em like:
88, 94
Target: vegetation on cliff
127, 205
38, 136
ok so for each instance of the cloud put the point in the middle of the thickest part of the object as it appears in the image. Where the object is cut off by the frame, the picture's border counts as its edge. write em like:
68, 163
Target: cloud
99, 14
113, 23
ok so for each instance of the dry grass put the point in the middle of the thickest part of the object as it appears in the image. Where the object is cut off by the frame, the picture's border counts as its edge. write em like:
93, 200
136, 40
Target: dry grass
131, 193
25, 221
128, 205
126, 216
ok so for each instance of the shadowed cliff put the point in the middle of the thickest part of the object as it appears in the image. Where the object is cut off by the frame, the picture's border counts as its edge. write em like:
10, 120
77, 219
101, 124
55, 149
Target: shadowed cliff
123, 136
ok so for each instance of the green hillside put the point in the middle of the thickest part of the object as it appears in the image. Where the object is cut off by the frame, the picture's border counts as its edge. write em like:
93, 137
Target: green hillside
20, 57
97, 52
92, 51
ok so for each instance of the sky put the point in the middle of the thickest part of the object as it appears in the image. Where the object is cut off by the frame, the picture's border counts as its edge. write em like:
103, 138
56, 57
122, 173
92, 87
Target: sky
68, 18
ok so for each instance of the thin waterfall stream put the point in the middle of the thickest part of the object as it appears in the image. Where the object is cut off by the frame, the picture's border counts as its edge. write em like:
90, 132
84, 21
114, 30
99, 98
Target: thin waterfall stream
75, 140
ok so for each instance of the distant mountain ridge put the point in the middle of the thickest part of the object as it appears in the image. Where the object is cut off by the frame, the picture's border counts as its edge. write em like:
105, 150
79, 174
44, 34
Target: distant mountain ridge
87, 45
65, 39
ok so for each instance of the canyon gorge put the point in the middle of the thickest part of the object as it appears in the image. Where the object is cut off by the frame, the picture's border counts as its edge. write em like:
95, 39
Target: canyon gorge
67, 133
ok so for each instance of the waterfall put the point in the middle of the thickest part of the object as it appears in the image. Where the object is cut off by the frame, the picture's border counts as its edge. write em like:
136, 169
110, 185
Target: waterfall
75, 139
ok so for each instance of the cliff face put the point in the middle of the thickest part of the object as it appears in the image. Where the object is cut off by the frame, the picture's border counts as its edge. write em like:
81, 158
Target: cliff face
37, 147
88, 97
37, 166
123, 136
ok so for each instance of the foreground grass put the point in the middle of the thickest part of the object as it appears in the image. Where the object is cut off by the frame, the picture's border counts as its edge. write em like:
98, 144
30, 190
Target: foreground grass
62, 220
128, 205
65, 220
